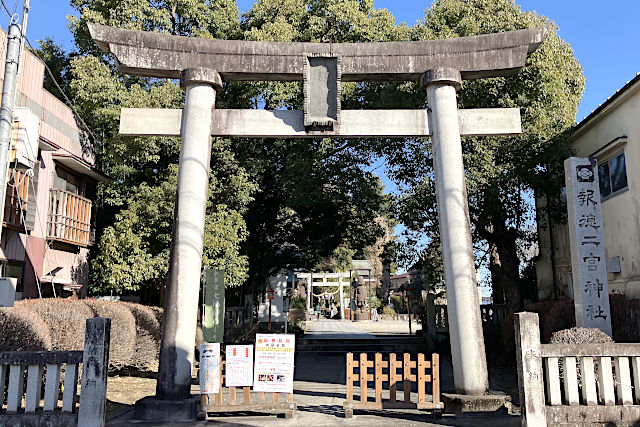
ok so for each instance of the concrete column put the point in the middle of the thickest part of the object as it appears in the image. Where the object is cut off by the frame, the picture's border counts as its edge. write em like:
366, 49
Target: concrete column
341, 298
309, 291
465, 325
185, 262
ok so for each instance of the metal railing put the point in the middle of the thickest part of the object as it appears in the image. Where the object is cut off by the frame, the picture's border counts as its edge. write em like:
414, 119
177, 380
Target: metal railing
69, 218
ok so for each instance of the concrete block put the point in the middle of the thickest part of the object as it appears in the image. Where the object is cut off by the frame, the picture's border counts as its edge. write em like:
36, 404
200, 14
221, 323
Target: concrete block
483, 405
152, 409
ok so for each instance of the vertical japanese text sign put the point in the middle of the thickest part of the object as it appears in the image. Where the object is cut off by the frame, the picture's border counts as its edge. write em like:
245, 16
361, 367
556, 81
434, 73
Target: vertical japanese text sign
588, 261
213, 319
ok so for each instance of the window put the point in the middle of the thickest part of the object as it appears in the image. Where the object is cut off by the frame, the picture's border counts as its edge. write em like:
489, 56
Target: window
613, 176
13, 269
65, 180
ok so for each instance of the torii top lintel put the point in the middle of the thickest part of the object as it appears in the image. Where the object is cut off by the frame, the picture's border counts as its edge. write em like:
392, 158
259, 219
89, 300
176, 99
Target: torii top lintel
159, 55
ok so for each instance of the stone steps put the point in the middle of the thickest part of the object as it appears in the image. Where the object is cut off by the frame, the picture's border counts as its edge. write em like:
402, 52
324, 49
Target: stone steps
375, 344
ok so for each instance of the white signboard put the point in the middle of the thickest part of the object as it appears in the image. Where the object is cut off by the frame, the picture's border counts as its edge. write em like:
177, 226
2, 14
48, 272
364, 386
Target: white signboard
588, 259
239, 366
273, 370
209, 368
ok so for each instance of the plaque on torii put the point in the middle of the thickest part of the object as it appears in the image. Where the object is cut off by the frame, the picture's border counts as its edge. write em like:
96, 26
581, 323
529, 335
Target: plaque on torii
203, 64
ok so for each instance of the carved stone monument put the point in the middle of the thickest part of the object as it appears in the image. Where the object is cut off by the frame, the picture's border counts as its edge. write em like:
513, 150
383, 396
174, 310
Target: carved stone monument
202, 65
361, 301
588, 258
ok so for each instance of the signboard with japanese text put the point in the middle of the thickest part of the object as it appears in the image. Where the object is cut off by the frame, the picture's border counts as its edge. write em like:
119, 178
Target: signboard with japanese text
213, 307
239, 365
273, 370
209, 368
588, 259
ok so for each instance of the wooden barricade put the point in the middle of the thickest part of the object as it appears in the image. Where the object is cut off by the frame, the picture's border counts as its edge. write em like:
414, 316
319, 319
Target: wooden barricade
393, 371
251, 401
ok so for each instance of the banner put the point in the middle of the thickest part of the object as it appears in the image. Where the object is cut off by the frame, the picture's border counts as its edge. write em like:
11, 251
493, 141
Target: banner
209, 368
239, 366
213, 317
273, 371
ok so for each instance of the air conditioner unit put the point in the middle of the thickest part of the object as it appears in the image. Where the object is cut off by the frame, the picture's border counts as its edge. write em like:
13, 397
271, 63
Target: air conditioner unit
26, 133
8, 291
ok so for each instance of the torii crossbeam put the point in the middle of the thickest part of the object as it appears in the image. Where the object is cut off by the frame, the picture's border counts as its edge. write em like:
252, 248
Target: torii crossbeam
202, 65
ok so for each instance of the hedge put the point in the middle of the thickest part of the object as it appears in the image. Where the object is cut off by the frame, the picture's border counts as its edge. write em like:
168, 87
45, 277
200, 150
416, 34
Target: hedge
23, 330
148, 337
59, 324
64, 318
123, 330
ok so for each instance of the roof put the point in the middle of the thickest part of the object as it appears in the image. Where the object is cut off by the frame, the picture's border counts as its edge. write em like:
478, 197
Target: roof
608, 102
400, 276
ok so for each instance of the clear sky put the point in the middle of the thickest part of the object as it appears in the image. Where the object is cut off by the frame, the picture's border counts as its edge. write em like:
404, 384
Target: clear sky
604, 35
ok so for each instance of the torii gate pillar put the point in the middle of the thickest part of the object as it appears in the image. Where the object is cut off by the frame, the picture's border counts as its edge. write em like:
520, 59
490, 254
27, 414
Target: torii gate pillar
185, 262
465, 323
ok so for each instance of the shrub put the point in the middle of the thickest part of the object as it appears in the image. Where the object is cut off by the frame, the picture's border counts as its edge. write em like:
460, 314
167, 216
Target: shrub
22, 330
148, 337
554, 315
580, 336
123, 330
65, 319
388, 311
297, 316
298, 302
399, 304
625, 318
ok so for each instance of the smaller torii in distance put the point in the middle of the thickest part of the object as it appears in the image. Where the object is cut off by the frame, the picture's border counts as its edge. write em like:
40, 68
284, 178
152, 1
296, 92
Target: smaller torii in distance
202, 65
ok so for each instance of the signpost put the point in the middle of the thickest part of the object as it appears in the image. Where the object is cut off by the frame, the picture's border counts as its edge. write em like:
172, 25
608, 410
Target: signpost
213, 306
285, 309
209, 368
239, 366
588, 259
273, 371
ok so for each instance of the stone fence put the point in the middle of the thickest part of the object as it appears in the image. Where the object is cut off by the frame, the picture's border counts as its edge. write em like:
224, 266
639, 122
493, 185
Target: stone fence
575, 383
93, 396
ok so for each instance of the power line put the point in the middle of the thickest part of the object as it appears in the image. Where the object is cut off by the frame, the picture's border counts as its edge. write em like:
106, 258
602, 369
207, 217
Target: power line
55, 82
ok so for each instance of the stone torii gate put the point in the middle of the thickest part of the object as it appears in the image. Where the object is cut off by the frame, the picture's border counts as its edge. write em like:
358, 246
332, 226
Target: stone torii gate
202, 65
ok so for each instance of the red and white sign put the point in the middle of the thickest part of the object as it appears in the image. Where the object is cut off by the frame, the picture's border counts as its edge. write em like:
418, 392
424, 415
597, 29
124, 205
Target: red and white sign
239, 366
273, 371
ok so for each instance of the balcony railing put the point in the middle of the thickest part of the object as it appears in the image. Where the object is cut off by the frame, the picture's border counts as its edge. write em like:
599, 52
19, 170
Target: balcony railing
15, 205
69, 218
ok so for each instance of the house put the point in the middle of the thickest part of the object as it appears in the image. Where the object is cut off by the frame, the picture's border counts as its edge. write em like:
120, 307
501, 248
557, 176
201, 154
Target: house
47, 225
611, 134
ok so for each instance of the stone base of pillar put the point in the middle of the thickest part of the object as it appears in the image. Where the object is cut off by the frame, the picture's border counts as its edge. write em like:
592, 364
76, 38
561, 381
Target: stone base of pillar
152, 409
492, 404
360, 316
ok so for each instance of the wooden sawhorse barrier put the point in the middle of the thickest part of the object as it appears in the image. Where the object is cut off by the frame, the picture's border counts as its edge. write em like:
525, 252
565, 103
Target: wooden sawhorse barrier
214, 403
393, 377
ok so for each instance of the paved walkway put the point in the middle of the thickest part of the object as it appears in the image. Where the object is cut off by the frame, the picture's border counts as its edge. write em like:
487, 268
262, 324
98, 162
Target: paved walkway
332, 329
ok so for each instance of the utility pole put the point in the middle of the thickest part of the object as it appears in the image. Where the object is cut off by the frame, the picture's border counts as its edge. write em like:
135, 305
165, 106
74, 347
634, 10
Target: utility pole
14, 51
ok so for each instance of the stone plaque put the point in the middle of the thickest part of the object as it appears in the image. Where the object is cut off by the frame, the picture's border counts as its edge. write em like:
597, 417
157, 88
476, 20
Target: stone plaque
588, 260
322, 91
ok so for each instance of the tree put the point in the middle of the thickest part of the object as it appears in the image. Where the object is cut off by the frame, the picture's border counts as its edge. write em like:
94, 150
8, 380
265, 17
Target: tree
135, 209
502, 172
272, 203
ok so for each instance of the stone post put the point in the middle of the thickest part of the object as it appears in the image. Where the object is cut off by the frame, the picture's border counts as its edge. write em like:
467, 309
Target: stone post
529, 358
465, 325
95, 365
588, 256
185, 262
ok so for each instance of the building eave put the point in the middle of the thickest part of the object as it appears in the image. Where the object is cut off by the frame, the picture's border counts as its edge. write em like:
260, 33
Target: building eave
630, 88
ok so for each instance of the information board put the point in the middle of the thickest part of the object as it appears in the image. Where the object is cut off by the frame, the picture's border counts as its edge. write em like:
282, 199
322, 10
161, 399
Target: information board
273, 371
239, 366
209, 368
